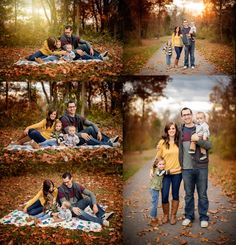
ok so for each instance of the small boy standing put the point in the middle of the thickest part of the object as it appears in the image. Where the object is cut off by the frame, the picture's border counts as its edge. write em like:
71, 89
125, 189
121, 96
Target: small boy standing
168, 52
202, 130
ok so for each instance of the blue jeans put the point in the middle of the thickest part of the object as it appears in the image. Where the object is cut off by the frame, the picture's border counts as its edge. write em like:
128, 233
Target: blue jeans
50, 142
168, 59
90, 130
37, 54
198, 178
50, 58
178, 51
155, 197
42, 216
36, 136
35, 208
174, 180
189, 51
82, 204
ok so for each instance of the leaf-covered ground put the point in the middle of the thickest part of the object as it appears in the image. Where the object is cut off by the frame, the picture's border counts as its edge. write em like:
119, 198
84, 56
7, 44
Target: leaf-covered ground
91, 71
18, 190
14, 163
221, 55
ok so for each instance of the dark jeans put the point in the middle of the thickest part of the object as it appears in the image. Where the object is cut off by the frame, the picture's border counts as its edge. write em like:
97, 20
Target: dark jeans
189, 51
198, 178
90, 130
37, 54
178, 51
35, 208
88, 57
84, 203
36, 136
174, 180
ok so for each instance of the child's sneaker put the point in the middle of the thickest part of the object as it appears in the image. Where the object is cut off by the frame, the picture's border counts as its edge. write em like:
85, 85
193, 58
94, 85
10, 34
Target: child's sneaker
203, 157
191, 151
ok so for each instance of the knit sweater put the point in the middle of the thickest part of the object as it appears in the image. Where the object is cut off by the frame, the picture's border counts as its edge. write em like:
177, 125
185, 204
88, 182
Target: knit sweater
39, 196
156, 180
177, 41
41, 127
168, 49
170, 156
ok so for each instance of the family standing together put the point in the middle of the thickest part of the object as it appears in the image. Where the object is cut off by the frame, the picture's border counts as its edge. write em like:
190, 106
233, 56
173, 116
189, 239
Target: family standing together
68, 47
182, 38
71, 130
69, 200
182, 153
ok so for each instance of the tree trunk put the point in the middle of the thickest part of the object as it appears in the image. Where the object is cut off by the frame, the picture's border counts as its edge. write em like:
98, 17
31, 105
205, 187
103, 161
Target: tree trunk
105, 96
83, 93
45, 93
6, 101
89, 95
76, 17
29, 91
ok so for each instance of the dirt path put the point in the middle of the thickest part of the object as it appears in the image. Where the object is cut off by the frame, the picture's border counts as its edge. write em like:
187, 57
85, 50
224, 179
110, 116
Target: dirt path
221, 230
156, 65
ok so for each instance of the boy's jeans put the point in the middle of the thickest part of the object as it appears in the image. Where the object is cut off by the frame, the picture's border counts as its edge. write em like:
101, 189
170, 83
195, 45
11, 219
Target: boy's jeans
155, 196
198, 178
168, 59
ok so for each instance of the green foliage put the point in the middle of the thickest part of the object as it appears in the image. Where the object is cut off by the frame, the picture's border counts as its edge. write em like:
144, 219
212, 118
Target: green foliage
207, 32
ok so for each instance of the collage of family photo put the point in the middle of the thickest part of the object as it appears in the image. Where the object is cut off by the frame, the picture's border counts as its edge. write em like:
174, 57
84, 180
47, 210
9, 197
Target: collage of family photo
117, 122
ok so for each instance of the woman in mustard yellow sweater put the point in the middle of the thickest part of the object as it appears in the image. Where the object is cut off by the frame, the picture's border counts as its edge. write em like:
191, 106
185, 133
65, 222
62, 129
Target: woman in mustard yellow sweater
49, 48
41, 131
177, 43
168, 150
46, 197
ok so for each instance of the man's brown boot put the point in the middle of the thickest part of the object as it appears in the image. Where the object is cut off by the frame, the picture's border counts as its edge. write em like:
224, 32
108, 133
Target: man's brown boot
174, 209
166, 208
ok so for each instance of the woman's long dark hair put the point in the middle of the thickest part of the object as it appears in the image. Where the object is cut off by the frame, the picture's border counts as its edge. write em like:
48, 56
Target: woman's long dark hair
49, 121
46, 187
166, 137
51, 41
179, 32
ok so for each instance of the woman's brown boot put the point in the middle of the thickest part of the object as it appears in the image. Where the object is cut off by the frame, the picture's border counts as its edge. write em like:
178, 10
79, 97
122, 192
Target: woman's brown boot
166, 208
22, 140
174, 209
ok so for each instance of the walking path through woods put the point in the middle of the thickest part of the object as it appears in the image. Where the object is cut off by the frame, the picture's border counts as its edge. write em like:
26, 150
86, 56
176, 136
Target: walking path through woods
156, 65
222, 212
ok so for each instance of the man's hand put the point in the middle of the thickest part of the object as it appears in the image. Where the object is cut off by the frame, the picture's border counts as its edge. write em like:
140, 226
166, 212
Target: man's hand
76, 210
195, 137
85, 136
91, 51
99, 136
95, 208
25, 210
80, 52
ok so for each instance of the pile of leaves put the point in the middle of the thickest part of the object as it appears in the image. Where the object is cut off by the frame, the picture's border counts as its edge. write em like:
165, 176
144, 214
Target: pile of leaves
226, 174
89, 71
15, 163
18, 190
221, 55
